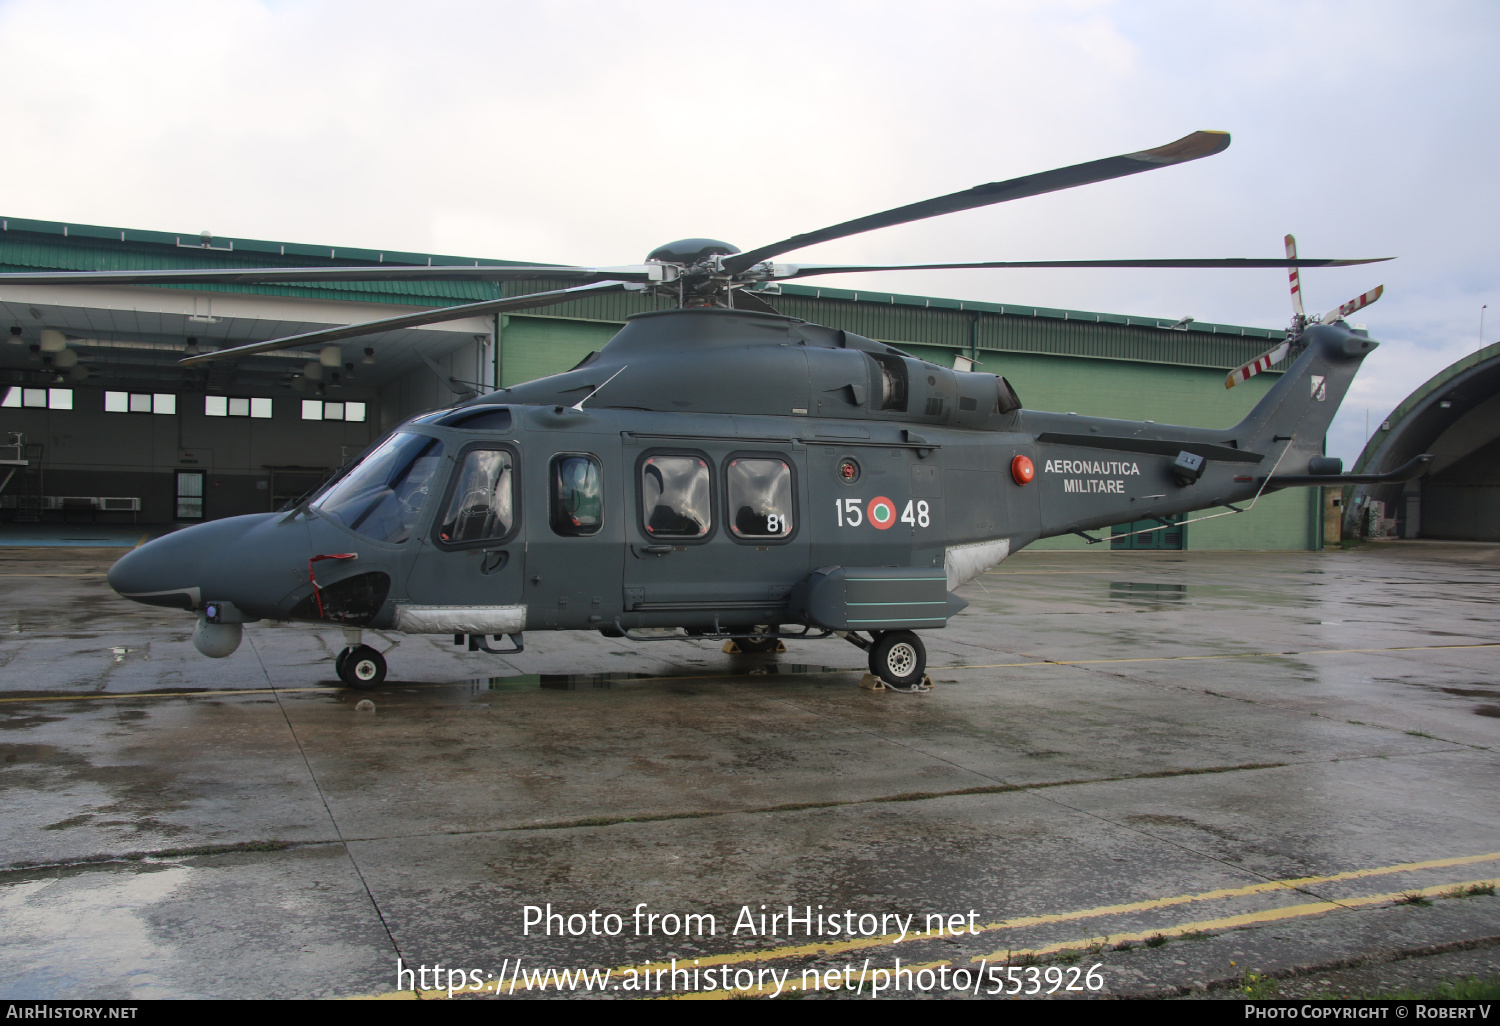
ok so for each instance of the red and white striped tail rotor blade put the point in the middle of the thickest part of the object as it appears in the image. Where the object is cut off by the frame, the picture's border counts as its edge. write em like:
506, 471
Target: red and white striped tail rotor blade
1293, 277
1265, 361
1354, 304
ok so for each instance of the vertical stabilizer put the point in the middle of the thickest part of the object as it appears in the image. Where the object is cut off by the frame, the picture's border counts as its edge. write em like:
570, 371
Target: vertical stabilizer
1299, 408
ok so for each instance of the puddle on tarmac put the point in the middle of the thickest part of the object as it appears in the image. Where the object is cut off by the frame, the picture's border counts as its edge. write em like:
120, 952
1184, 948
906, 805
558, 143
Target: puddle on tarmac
62, 920
1148, 594
602, 681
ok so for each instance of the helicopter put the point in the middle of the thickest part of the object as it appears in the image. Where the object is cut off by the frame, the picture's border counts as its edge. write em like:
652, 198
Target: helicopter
677, 482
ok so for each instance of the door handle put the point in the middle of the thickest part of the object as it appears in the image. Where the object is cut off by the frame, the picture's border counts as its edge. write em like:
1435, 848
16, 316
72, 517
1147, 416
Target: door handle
494, 561
650, 550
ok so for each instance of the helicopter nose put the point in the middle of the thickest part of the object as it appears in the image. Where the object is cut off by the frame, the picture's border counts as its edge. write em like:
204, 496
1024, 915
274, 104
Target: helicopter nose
167, 571
177, 569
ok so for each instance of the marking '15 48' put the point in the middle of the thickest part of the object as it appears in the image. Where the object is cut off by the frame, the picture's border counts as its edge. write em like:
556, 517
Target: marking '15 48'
880, 513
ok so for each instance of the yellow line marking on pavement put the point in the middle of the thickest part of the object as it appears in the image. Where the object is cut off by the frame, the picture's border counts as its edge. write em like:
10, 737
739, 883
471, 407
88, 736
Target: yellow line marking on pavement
1269, 915
1290, 883
1002, 958
1223, 655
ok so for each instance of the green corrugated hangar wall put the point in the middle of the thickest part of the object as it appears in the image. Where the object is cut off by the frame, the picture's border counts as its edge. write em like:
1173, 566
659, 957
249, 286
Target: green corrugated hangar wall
1130, 368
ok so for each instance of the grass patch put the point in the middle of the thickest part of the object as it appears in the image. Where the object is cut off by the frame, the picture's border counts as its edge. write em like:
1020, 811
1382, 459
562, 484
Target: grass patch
1414, 899
1067, 956
1257, 986
1472, 989
1124, 946
1196, 935
1156, 940
1477, 889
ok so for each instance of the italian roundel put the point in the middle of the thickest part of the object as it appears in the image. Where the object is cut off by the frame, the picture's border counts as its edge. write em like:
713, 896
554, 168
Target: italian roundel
882, 512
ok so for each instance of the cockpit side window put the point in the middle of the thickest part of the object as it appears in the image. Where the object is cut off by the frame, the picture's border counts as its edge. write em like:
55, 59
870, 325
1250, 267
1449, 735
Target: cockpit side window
577, 503
382, 496
482, 502
676, 497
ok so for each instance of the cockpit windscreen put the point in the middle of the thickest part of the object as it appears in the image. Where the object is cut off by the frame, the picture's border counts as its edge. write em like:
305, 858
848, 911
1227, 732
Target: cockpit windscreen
381, 497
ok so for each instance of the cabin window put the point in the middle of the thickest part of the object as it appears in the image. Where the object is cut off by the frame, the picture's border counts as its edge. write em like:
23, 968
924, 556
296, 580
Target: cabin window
675, 497
381, 497
759, 498
577, 506
482, 506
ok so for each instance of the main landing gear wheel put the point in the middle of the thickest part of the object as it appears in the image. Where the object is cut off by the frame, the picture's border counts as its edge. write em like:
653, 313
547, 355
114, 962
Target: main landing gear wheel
756, 645
361, 667
898, 658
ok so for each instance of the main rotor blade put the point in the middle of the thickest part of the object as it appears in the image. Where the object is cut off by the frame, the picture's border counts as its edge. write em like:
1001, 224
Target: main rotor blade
786, 271
1189, 147
313, 275
446, 313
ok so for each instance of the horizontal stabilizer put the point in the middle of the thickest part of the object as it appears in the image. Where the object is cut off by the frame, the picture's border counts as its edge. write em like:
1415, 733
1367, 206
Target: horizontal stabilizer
1408, 471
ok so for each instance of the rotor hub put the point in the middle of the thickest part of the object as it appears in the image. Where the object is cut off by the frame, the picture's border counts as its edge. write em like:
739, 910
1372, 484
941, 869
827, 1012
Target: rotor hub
691, 251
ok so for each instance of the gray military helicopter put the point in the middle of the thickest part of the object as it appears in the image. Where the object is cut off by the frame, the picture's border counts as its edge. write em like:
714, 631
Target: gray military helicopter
681, 476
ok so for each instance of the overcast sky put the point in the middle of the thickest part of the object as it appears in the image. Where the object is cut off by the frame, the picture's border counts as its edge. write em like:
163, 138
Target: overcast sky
589, 133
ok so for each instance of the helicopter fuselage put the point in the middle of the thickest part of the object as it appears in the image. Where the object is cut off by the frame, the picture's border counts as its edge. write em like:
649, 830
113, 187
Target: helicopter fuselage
724, 472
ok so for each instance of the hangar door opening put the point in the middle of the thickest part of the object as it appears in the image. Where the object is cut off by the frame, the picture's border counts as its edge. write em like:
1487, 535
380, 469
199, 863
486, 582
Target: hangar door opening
1172, 535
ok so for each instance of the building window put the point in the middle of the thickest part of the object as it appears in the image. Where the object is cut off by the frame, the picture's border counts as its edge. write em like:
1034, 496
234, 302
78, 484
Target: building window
140, 402
190, 494
318, 409
236, 406
39, 398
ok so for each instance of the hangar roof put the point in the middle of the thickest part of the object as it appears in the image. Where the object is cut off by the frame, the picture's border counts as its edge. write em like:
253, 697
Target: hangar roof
959, 324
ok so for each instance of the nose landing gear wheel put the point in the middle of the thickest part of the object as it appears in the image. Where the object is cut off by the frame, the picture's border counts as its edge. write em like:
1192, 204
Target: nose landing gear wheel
898, 658
360, 667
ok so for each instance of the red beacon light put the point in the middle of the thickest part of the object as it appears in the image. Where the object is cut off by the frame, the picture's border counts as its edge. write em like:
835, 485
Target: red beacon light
1022, 470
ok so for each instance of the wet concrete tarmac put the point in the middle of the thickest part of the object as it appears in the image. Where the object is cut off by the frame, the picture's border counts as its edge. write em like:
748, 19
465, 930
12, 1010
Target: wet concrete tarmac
1190, 770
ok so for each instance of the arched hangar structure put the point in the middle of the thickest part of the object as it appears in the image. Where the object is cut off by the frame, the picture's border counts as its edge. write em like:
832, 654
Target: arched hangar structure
1455, 416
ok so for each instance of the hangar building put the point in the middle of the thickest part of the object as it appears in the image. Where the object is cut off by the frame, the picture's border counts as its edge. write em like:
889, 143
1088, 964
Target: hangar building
111, 426
1455, 416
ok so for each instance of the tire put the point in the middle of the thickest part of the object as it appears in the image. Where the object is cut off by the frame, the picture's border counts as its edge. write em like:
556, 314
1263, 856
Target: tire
338, 661
899, 658
362, 668
757, 645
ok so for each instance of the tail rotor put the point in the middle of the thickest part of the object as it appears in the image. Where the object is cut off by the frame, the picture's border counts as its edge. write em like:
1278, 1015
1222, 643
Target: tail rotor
1300, 321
